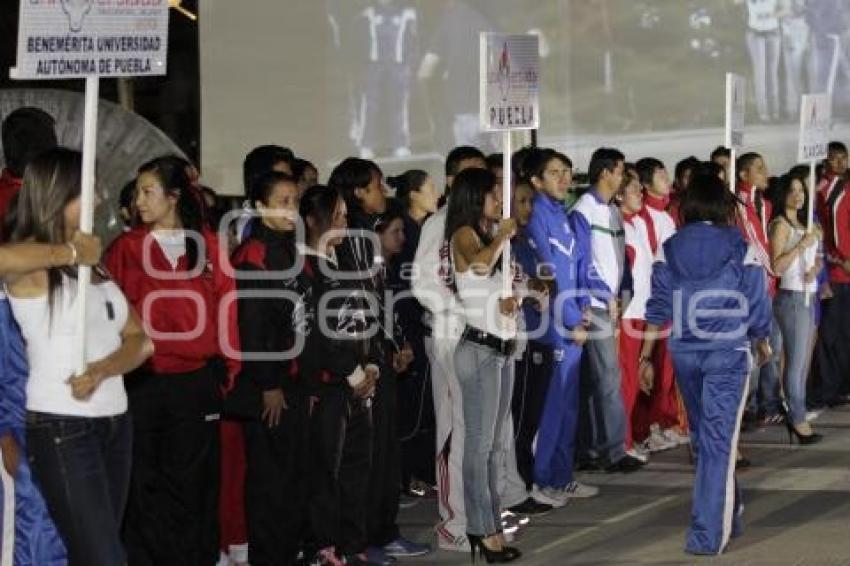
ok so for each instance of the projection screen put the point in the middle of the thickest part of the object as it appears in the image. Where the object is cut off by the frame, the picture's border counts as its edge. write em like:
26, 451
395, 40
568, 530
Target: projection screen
397, 79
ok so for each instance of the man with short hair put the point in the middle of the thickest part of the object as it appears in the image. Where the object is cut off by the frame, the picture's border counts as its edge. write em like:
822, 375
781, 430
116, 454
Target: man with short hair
599, 230
754, 215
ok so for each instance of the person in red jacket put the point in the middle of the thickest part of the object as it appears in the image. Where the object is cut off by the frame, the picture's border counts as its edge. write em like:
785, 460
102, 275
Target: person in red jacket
833, 207
174, 274
657, 419
753, 216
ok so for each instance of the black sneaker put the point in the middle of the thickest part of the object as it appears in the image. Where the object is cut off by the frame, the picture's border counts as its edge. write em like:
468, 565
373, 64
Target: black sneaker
625, 465
530, 507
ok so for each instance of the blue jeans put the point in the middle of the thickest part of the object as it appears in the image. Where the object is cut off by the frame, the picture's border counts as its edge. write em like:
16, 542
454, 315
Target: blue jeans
486, 382
797, 323
82, 466
601, 396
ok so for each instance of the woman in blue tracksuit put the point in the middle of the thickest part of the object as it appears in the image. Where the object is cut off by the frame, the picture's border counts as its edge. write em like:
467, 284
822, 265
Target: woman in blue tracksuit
709, 284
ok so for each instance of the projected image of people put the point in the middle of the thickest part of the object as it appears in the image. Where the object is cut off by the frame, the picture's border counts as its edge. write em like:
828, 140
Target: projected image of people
391, 26
451, 58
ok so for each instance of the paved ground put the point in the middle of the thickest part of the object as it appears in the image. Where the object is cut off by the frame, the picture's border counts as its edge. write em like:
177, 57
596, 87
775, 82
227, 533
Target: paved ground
797, 510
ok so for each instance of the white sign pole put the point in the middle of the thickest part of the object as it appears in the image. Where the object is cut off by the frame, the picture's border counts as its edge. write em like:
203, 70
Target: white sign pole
86, 210
815, 119
507, 205
810, 225
734, 138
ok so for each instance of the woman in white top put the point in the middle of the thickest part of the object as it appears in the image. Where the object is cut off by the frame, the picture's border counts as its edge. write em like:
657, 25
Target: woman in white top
482, 357
78, 431
793, 253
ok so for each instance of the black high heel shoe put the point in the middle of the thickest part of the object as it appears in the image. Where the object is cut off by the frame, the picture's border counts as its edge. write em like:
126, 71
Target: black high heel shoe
507, 554
802, 439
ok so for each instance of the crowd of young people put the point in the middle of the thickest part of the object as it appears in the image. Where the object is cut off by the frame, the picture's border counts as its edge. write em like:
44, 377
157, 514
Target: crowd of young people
271, 385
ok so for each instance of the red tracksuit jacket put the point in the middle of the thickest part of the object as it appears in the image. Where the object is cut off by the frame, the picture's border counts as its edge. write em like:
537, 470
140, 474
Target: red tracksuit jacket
197, 314
9, 187
833, 207
754, 229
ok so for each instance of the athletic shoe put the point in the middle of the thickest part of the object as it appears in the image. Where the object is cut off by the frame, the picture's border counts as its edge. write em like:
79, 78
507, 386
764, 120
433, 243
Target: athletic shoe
550, 496
638, 453
374, 556
674, 435
578, 490
625, 465
813, 414
510, 523
657, 442
772, 420
456, 544
401, 547
530, 507
419, 488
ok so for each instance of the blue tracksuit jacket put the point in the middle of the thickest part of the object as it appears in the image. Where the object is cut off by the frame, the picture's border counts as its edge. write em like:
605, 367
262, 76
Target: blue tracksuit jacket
708, 283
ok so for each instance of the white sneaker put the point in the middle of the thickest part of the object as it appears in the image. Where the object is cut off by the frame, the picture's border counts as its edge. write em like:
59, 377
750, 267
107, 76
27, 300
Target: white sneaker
673, 435
580, 490
638, 453
550, 496
657, 442
813, 415
458, 544
509, 516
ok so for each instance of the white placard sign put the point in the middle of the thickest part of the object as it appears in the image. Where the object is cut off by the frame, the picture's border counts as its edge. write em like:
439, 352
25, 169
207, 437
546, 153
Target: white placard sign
65, 39
815, 118
509, 82
736, 103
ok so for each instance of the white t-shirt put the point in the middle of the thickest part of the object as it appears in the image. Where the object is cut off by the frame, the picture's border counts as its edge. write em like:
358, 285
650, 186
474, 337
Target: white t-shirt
51, 340
172, 243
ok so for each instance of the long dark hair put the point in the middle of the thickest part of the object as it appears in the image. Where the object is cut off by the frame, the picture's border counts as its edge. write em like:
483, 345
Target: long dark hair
466, 207
51, 181
174, 174
407, 182
783, 191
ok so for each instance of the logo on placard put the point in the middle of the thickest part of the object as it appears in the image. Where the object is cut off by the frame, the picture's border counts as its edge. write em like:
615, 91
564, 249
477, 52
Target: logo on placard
817, 119
76, 10
504, 72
